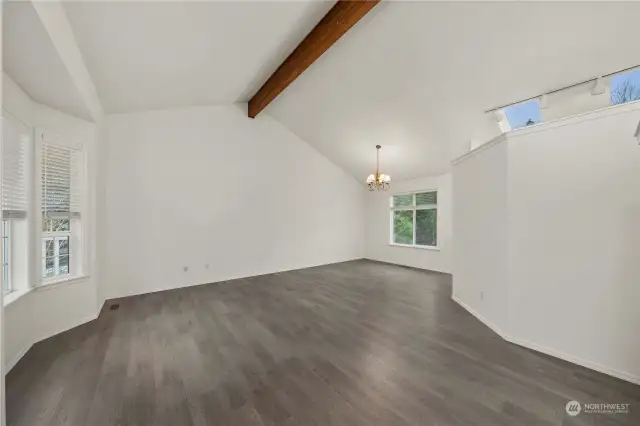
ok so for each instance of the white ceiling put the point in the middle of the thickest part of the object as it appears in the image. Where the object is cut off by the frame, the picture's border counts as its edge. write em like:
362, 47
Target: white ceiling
31, 60
154, 55
414, 77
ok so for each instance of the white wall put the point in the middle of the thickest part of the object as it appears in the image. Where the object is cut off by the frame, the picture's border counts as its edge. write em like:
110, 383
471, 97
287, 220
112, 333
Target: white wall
224, 196
576, 100
100, 197
376, 217
574, 239
570, 263
39, 313
480, 240
491, 125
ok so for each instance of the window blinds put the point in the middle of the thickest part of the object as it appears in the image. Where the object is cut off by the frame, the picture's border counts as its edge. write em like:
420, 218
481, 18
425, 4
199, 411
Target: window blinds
62, 178
422, 199
15, 139
426, 198
403, 200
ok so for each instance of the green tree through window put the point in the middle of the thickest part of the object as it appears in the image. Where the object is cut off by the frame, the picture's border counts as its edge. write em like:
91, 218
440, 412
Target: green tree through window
426, 227
403, 227
417, 210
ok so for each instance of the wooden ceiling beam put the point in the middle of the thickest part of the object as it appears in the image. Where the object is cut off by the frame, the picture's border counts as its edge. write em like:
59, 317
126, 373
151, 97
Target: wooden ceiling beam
342, 16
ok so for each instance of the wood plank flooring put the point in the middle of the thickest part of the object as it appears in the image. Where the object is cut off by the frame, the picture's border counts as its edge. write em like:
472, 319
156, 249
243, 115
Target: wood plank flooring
355, 343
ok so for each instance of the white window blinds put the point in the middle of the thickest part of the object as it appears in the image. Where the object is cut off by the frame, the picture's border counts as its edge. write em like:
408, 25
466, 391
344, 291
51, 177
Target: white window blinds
426, 198
62, 181
15, 140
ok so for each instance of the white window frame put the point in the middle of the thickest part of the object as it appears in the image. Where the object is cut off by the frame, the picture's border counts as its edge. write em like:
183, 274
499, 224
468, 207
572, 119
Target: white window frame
6, 226
19, 252
78, 261
56, 237
414, 209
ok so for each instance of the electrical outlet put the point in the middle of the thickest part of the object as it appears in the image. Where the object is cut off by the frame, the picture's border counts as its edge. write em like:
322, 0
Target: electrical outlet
482, 295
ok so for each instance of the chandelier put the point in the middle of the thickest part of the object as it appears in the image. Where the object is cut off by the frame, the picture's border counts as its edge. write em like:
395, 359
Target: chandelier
378, 181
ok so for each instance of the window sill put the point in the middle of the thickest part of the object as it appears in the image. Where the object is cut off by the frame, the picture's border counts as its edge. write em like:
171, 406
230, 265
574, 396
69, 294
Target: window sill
434, 248
14, 295
49, 285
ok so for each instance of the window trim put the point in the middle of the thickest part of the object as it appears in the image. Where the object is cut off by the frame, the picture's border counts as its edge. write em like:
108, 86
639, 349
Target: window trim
413, 208
78, 257
17, 206
419, 247
60, 280
6, 226
56, 236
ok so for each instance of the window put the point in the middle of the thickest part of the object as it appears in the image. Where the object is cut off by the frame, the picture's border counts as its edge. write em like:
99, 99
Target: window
625, 87
523, 114
414, 219
62, 200
16, 137
56, 235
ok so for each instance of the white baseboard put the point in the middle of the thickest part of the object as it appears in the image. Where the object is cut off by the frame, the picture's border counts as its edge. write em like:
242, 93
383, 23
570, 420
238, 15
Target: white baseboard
17, 357
575, 360
407, 264
549, 351
214, 280
482, 319
12, 363
76, 324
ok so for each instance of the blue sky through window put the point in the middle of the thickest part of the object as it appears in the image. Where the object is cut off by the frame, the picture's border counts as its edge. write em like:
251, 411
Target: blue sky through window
633, 77
529, 112
518, 115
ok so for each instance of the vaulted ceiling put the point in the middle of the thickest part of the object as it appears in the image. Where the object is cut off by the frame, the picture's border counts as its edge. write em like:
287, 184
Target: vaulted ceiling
154, 55
417, 76
30, 59
414, 77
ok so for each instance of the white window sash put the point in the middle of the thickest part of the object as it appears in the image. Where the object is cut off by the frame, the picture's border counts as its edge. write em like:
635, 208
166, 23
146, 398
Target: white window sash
77, 259
6, 236
413, 208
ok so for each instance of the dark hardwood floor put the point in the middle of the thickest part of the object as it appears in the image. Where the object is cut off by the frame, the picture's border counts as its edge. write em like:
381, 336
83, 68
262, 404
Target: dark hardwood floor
356, 343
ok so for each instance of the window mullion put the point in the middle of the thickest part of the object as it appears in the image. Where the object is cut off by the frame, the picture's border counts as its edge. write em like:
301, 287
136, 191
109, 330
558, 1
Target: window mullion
44, 256
56, 256
414, 226
393, 226
54, 234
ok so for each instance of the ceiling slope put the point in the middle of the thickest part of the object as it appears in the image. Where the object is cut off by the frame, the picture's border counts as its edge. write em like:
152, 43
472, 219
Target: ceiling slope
31, 60
418, 76
342, 16
155, 55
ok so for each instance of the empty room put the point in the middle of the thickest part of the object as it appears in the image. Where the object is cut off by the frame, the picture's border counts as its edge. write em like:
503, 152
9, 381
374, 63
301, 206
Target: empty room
320, 213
